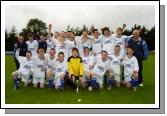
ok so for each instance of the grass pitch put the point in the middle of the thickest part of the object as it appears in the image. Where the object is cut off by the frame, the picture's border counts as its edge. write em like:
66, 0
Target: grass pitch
122, 95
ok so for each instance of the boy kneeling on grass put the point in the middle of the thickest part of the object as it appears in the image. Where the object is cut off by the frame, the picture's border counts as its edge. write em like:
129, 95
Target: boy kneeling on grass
75, 68
131, 69
25, 70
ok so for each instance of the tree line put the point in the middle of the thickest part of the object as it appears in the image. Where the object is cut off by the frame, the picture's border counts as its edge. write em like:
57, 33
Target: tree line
39, 27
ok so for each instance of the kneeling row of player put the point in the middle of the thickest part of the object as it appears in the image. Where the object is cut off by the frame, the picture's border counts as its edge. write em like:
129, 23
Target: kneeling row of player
89, 69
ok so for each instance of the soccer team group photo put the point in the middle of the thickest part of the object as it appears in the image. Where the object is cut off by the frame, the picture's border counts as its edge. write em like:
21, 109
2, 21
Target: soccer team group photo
100, 64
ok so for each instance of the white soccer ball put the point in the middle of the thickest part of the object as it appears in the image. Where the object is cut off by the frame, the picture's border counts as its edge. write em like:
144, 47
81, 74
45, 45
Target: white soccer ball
79, 100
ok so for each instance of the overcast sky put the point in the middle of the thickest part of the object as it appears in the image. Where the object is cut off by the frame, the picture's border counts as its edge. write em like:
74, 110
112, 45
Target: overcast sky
61, 16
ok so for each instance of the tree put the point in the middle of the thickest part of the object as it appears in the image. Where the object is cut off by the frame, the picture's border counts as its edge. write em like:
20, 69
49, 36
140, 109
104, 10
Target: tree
36, 26
84, 28
91, 29
6, 34
10, 39
24, 33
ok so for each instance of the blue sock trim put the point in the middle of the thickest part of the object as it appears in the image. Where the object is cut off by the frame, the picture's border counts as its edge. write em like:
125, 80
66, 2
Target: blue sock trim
134, 83
94, 83
15, 82
62, 84
89, 83
50, 83
110, 82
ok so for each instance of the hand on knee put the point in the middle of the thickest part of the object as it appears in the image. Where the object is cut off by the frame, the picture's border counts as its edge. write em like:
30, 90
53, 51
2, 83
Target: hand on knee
62, 77
135, 75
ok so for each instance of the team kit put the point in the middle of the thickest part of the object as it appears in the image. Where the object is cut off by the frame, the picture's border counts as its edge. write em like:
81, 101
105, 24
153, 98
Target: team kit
102, 60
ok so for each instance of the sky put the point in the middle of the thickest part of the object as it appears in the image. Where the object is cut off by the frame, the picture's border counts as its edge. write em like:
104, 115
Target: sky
60, 16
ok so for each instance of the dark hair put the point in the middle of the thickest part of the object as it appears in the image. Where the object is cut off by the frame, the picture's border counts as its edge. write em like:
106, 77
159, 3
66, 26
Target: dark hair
56, 32
93, 31
40, 49
52, 34
105, 29
43, 34
30, 34
117, 46
86, 48
103, 51
52, 49
84, 31
130, 47
29, 52
70, 32
61, 53
75, 49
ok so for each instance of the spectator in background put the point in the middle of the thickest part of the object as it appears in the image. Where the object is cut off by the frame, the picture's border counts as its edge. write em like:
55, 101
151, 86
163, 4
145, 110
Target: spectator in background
32, 44
141, 52
22, 46
42, 43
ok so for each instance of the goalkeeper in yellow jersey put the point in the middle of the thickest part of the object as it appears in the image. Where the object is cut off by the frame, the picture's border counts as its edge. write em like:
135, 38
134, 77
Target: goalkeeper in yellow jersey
75, 68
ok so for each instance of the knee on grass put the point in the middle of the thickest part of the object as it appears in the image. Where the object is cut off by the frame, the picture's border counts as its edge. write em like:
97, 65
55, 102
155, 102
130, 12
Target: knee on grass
128, 84
117, 84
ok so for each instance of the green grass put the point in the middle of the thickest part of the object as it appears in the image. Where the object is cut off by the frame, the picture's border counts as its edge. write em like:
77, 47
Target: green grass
30, 95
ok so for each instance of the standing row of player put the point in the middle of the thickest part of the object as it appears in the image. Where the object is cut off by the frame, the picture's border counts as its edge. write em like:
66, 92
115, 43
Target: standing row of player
96, 56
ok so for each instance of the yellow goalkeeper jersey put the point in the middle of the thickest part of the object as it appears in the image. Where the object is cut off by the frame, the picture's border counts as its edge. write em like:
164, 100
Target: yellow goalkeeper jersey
75, 66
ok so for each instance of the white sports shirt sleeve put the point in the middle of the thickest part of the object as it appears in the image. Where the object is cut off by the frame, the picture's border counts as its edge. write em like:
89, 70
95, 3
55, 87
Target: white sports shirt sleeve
130, 65
33, 47
108, 44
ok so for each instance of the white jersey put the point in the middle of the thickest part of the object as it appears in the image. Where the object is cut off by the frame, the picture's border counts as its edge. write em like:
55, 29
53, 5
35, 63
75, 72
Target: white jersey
101, 66
108, 44
49, 45
97, 45
88, 61
121, 42
39, 67
63, 48
33, 47
115, 63
50, 63
130, 65
81, 45
71, 45
60, 67
54, 42
26, 66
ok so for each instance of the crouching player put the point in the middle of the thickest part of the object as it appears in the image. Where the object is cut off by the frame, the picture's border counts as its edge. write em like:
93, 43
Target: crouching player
60, 71
102, 64
39, 68
51, 61
131, 69
25, 70
88, 62
75, 68
114, 74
